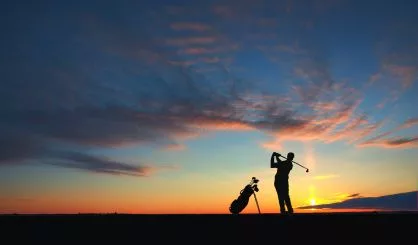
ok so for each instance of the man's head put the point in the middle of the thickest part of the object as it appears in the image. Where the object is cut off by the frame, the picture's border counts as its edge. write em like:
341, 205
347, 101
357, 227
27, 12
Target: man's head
290, 156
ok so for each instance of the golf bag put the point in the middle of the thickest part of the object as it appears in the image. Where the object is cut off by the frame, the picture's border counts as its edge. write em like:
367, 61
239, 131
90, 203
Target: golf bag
242, 201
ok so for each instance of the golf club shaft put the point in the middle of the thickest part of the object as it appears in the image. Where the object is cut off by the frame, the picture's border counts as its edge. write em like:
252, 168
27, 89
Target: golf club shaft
294, 162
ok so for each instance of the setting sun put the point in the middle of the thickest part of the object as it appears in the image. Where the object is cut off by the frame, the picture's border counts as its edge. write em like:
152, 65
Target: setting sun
313, 202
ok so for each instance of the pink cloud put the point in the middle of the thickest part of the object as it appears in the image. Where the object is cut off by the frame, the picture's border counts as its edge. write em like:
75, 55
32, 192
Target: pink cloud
367, 130
199, 51
328, 121
373, 78
342, 124
221, 48
394, 142
409, 123
191, 41
381, 140
408, 74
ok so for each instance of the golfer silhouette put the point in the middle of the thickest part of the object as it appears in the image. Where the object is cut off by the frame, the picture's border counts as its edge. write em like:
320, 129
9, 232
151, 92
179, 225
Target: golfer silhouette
281, 180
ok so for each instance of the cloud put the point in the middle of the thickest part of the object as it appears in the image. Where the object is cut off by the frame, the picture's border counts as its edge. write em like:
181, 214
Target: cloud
409, 123
394, 142
407, 74
95, 126
328, 122
397, 54
354, 195
96, 164
398, 201
105, 82
198, 51
19, 150
15, 146
389, 140
191, 41
61, 100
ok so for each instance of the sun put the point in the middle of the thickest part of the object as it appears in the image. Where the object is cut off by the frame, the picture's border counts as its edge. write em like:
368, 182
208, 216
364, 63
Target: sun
313, 202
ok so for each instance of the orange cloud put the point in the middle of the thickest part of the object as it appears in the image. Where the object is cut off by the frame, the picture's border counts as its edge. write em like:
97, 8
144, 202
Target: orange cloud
272, 145
175, 147
219, 124
325, 106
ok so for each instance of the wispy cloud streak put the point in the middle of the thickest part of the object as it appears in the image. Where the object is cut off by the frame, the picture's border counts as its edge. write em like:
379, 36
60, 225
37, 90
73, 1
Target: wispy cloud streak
395, 202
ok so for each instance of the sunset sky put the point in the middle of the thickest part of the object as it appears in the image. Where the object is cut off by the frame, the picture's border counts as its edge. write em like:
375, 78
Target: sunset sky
172, 106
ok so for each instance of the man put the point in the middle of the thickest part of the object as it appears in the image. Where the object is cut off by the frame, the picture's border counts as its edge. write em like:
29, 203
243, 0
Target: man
281, 180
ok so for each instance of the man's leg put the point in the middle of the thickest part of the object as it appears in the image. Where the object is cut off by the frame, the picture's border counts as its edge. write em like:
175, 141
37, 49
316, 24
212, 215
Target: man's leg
287, 199
282, 204
288, 204
281, 199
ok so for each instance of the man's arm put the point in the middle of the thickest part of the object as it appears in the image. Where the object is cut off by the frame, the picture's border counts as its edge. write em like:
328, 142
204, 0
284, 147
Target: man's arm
272, 163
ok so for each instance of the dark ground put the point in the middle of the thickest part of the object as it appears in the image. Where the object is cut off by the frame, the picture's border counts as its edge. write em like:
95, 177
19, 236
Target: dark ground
316, 228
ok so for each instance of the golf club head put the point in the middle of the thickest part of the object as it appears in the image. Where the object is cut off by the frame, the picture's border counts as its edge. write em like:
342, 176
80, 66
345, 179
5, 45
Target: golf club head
307, 170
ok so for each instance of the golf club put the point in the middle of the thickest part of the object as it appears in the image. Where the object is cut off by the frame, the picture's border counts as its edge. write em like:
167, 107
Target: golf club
307, 170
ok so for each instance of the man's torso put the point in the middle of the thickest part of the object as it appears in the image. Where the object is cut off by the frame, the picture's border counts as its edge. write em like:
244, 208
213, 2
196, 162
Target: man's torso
283, 171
